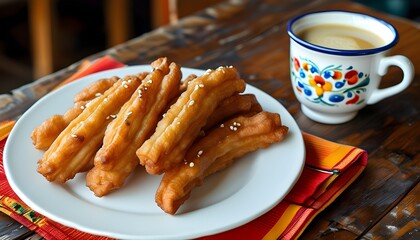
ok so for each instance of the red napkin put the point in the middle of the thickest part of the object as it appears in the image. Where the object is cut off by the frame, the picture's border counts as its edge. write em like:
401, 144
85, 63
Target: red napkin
329, 169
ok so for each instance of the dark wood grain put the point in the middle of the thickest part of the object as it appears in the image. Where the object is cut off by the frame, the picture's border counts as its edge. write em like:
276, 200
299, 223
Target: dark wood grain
401, 221
383, 203
10, 229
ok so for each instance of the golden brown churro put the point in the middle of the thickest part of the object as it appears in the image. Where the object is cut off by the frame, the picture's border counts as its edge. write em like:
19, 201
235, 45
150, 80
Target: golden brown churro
134, 124
232, 106
184, 85
217, 150
75, 147
45, 134
95, 89
182, 123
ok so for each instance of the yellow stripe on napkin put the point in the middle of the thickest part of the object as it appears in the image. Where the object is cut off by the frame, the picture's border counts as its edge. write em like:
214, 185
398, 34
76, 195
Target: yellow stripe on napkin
283, 222
6, 128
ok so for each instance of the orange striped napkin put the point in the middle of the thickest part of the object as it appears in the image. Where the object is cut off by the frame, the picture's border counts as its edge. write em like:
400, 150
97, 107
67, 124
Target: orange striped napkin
329, 169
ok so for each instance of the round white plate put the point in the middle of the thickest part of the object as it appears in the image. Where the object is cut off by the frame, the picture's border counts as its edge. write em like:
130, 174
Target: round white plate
235, 196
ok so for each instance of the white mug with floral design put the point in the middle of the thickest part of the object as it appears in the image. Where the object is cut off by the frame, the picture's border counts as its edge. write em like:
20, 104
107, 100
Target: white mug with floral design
337, 59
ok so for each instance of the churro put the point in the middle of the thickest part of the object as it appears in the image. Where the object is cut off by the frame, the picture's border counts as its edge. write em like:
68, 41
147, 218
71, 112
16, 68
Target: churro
216, 151
184, 120
137, 119
45, 134
73, 150
238, 104
95, 89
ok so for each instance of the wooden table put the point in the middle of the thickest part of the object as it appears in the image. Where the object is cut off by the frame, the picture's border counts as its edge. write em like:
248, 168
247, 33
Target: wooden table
383, 202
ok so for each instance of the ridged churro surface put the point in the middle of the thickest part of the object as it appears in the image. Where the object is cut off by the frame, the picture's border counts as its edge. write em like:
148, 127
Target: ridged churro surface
73, 150
184, 120
216, 151
135, 122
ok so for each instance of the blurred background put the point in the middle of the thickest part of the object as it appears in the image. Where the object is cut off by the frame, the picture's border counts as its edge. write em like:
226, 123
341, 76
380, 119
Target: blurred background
42, 36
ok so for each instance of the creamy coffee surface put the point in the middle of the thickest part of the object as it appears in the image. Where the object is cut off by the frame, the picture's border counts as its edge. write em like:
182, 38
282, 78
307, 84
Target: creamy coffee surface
341, 37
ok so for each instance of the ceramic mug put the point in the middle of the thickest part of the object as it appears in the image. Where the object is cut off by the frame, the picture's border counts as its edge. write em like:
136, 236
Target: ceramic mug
335, 77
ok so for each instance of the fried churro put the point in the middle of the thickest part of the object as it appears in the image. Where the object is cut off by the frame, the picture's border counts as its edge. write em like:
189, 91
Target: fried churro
184, 85
182, 123
95, 89
137, 119
73, 150
45, 134
232, 106
213, 153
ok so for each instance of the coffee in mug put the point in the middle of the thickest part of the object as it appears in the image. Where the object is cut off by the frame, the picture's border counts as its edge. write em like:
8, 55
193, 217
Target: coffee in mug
340, 36
337, 59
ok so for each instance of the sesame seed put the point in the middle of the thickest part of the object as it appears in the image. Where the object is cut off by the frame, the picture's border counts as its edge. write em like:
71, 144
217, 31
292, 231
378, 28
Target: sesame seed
199, 153
113, 115
150, 81
163, 115
74, 135
196, 87
201, 85
178, 122
129, 81
98, 94
145, 88
233, 128
222, 125
125, 86
82, 107
105, 99
191, 164
191, 103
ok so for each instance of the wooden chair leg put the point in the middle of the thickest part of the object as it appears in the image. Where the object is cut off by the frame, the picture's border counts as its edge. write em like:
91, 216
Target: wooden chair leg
41, 22
118, 21
161, 12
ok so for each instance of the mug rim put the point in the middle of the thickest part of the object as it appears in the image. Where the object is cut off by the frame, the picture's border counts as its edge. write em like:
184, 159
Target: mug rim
342, 52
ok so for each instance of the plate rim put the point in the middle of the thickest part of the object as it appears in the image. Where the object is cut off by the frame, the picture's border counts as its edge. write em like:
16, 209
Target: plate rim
17, 189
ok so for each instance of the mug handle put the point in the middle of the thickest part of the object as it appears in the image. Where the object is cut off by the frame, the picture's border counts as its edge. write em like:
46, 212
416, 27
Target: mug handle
408, 72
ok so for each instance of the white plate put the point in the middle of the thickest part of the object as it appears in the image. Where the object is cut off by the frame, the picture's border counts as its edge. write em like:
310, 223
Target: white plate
251, 187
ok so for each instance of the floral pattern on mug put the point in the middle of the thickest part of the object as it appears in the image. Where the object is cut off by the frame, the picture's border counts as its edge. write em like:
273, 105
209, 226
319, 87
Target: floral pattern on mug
331, 86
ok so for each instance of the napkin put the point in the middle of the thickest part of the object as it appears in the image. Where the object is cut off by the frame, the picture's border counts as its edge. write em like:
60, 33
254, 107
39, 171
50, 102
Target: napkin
329, 169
